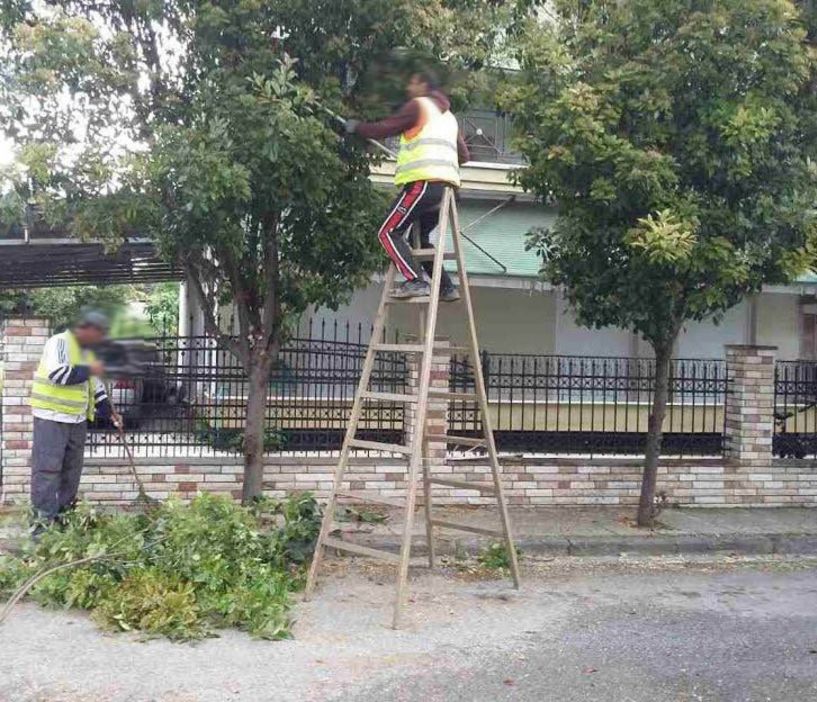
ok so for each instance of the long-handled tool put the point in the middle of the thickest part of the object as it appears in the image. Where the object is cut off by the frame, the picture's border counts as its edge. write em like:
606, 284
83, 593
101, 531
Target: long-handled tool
143, 496
334, 115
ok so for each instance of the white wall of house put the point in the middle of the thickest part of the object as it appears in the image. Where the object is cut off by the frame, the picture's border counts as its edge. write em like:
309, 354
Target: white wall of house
778, 323
529, 319
540, 321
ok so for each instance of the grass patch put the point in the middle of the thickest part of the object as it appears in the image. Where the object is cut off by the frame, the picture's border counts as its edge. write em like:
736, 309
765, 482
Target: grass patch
181, 571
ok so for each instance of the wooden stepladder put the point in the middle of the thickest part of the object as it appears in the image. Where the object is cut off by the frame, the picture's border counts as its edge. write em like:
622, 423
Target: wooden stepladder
414, 453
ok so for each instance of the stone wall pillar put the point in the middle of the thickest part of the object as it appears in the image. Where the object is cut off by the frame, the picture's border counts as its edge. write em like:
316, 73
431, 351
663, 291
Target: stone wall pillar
749, 425
23, 342
437, 413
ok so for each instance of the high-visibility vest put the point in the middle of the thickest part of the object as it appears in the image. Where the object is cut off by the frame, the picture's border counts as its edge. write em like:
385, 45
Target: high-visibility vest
429, 150
67, 399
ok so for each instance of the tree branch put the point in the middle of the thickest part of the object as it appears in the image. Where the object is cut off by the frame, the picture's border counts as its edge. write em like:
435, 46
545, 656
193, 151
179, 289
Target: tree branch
208, 303
272, 301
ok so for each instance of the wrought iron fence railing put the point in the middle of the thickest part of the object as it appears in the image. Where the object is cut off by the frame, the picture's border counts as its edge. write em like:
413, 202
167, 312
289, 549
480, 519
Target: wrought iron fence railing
191, 398
795, 409
571, 404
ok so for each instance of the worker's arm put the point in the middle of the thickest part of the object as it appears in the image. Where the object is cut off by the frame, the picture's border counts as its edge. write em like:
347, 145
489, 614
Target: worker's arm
402, 120
59, 368
463, 154
104, 408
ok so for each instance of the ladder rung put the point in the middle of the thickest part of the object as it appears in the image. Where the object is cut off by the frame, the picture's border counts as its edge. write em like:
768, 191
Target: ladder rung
379, 446
463, 484
448, 395
401, 348
424, 300
464, 440
466, 527
428, 254
387, 396
454, 349
370, 497
361, 550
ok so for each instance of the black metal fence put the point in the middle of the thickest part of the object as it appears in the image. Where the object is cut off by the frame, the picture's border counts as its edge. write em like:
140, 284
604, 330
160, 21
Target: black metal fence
191, 397
795, 409
569, 404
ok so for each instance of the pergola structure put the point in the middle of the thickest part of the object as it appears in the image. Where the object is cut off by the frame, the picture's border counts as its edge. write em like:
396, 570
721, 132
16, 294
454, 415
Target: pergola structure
43, 258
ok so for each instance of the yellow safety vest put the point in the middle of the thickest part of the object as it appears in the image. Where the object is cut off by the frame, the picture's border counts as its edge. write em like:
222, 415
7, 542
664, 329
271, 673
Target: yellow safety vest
68, 399
429, 151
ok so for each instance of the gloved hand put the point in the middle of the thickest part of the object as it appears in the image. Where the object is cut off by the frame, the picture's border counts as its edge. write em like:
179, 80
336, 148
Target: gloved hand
351, 125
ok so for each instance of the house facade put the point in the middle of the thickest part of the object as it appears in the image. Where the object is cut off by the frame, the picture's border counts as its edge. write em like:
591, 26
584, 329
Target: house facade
519, 313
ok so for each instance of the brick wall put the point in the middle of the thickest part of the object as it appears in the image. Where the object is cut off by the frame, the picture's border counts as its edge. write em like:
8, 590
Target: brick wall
746, 476
24, 340
552, 481
749, 422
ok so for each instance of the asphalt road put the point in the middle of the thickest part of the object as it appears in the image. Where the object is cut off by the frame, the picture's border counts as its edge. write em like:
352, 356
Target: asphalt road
736, 638
654, 631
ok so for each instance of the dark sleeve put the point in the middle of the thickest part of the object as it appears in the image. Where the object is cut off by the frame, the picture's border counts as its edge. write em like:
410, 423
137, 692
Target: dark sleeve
406, 118
70, 375
104, 409
463, 154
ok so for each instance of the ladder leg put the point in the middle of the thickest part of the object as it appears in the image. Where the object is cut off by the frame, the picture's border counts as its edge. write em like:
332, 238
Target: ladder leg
422, 406
351, 431
479, 383
426, 469
427, 498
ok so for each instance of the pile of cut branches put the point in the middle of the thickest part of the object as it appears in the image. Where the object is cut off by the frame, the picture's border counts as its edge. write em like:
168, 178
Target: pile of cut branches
180, 571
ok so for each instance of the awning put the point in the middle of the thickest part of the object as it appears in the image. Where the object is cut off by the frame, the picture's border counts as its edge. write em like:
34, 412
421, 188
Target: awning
43, 262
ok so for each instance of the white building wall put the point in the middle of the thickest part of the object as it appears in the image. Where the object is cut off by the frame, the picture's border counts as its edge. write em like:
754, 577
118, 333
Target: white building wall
778, 324
508, 320
514, 320
575, 340
706, 339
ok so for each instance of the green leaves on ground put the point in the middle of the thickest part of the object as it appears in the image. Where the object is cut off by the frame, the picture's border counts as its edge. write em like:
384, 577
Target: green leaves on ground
183, 570
495, 556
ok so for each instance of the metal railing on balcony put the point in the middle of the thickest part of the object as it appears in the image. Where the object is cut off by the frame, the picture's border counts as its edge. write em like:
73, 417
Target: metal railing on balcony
488, 136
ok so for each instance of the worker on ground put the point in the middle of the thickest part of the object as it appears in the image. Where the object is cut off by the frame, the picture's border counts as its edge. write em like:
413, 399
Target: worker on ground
431, 151
66, 395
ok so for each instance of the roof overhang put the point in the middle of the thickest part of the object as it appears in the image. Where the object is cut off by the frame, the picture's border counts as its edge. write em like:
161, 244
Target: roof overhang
52, 262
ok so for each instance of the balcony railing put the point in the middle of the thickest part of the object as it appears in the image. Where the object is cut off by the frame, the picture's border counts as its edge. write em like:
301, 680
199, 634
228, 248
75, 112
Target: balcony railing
488, 136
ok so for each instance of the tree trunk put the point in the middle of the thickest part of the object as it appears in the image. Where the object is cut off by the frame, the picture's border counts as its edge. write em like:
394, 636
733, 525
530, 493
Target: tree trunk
646, 505
254, 431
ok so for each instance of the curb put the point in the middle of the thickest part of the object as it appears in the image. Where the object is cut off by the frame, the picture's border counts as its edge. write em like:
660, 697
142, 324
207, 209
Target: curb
595, 546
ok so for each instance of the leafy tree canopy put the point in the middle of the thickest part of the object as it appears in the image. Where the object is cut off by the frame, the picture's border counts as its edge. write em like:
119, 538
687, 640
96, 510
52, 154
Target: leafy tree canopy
676, 138
201, 124
673, 134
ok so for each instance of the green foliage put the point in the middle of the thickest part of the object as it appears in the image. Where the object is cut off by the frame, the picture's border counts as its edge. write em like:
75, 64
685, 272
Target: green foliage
154, 603
62, 306
676, 139
232, 439
162, 308
182, 570
495, 556
209, 136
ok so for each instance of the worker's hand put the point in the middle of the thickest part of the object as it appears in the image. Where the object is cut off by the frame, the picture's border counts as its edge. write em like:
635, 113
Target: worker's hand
96, 368
117, 421
352, 125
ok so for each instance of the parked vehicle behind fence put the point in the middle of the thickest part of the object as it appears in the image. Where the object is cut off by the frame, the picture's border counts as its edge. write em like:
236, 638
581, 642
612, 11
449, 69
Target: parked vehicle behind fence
139, 380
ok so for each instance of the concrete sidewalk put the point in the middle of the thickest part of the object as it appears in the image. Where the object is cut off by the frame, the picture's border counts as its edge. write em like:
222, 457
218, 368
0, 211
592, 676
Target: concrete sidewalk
611, 531
579, 531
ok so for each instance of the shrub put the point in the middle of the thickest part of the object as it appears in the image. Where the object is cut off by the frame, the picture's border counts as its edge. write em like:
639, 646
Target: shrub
180, 571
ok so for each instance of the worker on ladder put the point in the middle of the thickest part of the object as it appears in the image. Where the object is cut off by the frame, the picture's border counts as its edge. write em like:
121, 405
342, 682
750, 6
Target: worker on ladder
431, 151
